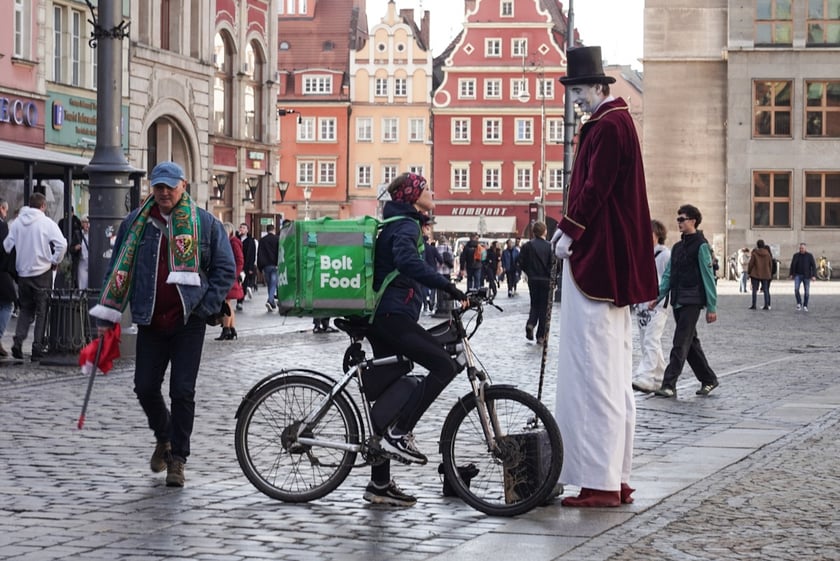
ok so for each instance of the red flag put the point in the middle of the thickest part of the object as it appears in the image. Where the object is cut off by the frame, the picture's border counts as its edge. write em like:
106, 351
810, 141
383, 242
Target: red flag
110, 351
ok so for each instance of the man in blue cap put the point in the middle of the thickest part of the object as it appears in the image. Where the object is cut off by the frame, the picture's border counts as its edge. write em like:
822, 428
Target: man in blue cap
174, 265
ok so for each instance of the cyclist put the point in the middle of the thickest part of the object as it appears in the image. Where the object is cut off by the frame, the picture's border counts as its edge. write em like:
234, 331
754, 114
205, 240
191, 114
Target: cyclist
395, 330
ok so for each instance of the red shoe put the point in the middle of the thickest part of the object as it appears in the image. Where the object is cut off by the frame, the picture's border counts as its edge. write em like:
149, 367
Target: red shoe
626, 491
593, 498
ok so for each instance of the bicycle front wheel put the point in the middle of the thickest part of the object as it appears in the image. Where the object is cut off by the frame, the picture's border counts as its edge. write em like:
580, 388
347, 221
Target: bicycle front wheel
267, 446
521, 470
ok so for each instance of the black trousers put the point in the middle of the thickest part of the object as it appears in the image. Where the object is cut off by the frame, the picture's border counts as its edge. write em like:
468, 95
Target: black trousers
687, 347
539, 305
399, 334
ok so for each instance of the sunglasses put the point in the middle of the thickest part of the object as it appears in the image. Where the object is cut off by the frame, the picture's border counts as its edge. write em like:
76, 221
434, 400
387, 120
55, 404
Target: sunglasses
682, 219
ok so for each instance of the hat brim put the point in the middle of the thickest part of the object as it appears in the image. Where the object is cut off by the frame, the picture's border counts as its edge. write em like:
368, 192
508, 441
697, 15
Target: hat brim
168, 181
581, 80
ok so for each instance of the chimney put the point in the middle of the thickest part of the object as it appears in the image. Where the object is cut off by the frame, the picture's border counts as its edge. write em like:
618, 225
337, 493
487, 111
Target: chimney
469, 6
407, 15
424, 30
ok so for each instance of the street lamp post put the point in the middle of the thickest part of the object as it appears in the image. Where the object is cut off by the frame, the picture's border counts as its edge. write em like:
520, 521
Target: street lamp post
307, 194
525, 97
253, 183
282, 187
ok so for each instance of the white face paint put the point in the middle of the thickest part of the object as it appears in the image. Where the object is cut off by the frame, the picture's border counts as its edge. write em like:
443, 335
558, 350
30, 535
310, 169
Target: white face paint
587, 96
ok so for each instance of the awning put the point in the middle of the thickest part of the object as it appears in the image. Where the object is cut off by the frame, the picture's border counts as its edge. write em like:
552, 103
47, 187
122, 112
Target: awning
480, 224
47, 164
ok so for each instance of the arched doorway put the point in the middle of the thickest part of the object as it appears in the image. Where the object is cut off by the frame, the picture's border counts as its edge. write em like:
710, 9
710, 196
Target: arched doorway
166, 140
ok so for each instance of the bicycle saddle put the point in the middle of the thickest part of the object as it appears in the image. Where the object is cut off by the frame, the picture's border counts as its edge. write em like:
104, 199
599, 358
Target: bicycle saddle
356, 327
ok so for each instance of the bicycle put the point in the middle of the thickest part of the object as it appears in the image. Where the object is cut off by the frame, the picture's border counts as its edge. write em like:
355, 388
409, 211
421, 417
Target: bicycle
299, 432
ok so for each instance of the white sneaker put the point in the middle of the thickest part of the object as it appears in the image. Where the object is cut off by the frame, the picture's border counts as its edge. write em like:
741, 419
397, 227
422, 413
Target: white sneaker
805, 308
799, 307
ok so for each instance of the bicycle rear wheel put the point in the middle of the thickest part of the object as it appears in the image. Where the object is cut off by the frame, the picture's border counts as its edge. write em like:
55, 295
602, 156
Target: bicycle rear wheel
521, 472
266, 443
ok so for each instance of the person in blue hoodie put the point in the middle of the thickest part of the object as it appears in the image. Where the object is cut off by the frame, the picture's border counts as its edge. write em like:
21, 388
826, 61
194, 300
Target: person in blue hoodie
395, 330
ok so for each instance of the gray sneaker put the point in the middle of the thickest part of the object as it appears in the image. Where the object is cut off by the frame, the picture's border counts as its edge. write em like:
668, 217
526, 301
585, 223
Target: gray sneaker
160, 457
175, 473
390, 494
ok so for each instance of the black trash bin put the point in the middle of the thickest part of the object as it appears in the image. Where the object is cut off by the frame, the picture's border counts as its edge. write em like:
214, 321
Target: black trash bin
69, 326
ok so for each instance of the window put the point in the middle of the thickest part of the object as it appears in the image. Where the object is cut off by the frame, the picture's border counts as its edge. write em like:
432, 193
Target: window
326, 173
523, 177
460, 177
400, 87
822, 114
545, 88
417, 130
519, 47
75, 48
22, 29
524, 131
364, 129
554, 131
58, 26
317, 85
466, 88
381, 87
363, 176
306, 172
326, 129
492, 131
492, 176
461, 131
507, 9
823, 23
389, 173
252, 93
822, 199
518, 87
306, 129
493, 48
772, 102
222, 81
774, 22
390, 129
492, 88
416, 169
771, 199
554, 178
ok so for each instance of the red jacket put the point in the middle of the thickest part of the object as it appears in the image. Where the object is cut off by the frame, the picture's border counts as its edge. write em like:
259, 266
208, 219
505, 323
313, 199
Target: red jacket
236, 292
607, 214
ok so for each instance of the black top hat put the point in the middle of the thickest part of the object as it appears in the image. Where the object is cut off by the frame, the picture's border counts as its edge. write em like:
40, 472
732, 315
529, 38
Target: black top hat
584, 67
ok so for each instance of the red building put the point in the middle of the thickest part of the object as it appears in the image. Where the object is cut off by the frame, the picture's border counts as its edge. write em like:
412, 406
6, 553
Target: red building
497, 119
314, 44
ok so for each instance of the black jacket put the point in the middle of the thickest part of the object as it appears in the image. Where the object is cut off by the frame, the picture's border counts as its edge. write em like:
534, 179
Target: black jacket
267, 253
803, 264
535, 260
686, 282
8, 274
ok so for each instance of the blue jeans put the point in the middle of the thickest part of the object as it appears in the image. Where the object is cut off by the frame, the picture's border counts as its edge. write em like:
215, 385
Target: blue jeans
744, 277
797, 280
765, 287
5, 314
474, 279
180, 348
270, 276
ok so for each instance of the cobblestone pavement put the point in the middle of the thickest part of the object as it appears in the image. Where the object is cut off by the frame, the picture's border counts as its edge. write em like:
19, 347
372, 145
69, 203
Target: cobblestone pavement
747, 473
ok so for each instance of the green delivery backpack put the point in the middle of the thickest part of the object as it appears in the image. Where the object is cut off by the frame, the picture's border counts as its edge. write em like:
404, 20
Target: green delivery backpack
325, 266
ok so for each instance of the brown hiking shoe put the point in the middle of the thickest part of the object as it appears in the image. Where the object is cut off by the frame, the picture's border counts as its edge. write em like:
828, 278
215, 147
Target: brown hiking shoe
175, 473
160, 457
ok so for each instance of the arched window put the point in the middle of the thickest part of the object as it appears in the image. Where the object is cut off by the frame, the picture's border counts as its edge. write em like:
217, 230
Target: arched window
222, 84
253, 67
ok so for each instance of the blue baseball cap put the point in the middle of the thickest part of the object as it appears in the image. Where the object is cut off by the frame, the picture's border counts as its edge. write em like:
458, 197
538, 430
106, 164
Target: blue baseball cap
168, 173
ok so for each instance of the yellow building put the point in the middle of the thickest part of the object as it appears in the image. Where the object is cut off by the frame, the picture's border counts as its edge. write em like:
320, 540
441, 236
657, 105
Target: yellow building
390, 86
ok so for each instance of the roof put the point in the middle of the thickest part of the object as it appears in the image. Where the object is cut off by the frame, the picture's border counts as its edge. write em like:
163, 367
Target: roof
48, 164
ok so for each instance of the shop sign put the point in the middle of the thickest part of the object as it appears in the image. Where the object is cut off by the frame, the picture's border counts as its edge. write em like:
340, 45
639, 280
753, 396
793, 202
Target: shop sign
18, 112
479, 211
73, 121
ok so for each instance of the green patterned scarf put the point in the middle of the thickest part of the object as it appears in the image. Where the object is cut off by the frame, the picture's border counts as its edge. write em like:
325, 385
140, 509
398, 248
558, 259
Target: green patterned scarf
182, 235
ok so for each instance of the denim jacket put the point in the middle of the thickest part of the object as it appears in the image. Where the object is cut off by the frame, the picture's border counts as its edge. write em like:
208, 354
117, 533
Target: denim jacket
217, 269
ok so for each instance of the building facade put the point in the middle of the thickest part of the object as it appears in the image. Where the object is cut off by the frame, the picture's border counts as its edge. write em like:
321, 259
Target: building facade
498, 125
390, 93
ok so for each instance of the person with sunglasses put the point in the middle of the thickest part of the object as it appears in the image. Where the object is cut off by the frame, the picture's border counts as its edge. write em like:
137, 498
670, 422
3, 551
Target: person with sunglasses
690, 281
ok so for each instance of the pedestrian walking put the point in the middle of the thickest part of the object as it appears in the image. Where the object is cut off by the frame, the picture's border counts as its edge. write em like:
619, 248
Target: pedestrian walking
470, 263
249, 255
8, 288
535, 258
39, 248
743, 265
173, 266
604, 238
510, 266
690, 283
760, 269
267, 263
803, 269
651, 368
236, 293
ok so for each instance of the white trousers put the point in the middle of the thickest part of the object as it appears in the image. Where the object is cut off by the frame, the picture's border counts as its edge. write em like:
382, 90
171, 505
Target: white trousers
595, 406
651, 368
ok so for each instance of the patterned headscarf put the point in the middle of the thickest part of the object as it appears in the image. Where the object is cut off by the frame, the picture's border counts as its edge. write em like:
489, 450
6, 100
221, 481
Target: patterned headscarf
409, 189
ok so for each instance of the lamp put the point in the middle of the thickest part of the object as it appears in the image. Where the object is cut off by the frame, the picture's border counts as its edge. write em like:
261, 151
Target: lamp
220, 180
253, 183
282, 112
282, 187
307, 194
